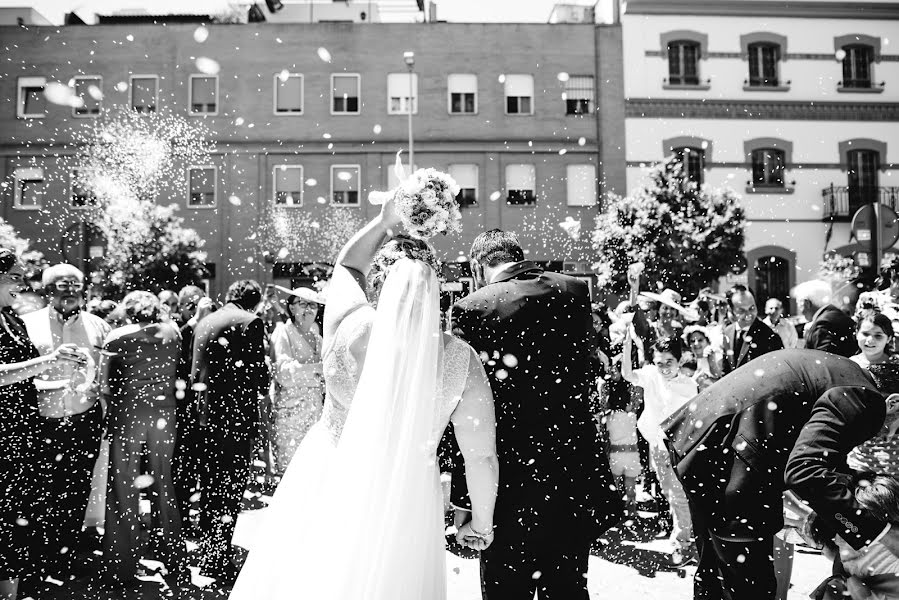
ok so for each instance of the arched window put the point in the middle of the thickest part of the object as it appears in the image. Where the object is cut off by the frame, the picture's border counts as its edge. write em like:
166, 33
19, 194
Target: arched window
772, 278
857, 66
863, 180
768, 167
683, 62
764, 58
692, 161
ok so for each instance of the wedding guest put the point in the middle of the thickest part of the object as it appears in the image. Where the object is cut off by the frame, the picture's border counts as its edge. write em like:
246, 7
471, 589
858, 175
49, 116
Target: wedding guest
188, 460
230, 377
71, 418
784, 422
665, 390
874, 337
297, 384
21, 480
774, 312
169, 301
829, 328
747, 337
622, 405
708, 369
138, 382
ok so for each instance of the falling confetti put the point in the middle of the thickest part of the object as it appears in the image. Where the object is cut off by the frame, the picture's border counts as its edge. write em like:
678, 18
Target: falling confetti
201, 34
323, 54
234, 200
563, 77
376, 129
207, 66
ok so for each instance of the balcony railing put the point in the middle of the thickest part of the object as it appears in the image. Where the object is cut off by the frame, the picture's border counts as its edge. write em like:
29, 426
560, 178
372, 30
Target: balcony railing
841, 202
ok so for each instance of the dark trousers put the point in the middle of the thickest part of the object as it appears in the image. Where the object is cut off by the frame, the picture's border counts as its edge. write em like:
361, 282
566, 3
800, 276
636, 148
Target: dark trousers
547, 554
69, 447
730, 570
131, 429
188, 459
227, 451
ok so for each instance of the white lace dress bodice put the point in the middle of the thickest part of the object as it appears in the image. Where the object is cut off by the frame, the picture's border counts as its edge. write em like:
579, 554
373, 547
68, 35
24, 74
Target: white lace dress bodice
342, 372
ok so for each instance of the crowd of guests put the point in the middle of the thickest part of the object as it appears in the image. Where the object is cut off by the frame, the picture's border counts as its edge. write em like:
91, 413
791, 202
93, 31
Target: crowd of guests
165, 397
656, 354
170, 397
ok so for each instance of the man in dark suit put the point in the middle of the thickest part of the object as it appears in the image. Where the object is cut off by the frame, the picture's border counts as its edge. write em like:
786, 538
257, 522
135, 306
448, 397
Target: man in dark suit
747, 337
229, 376
786, 421
829, 328
534, 329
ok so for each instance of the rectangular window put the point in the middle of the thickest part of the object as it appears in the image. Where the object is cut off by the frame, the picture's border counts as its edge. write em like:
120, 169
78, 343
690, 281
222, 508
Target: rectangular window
692, 162
467, 178
89, 94
579, 95
145, 93
683, 63
400, 95
29, 188
345, 94
463, 94
521, 186
581, 185
857, 66
32, 104
345, 184
288, 185
519, 91
768, 168
80, 193
288, 94
201, 187
204, 92
763, 60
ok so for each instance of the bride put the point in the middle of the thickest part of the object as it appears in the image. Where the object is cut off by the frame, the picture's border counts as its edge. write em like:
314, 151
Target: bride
359, 512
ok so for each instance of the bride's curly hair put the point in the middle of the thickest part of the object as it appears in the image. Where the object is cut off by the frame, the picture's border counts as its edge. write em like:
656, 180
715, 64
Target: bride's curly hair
402, 246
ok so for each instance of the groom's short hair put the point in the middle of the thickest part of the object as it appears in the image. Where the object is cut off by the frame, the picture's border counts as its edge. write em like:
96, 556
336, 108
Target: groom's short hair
496, 247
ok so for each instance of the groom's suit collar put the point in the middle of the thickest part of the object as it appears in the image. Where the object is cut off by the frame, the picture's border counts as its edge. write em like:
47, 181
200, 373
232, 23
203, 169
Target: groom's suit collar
513, 270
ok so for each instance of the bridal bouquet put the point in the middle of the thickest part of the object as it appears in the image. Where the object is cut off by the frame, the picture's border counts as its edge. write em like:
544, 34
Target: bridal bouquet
425, 201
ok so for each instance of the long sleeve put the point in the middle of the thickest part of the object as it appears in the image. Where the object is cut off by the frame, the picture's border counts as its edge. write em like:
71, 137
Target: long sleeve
841, 419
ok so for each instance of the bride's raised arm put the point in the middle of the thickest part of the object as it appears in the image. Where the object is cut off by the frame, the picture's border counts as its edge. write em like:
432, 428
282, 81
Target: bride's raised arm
347, 288
474, 424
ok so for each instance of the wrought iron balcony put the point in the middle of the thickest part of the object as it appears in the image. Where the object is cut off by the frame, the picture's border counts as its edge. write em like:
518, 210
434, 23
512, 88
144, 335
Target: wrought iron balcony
841, 202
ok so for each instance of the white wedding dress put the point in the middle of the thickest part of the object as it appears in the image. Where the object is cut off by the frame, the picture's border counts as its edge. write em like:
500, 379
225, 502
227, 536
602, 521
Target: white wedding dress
359, 512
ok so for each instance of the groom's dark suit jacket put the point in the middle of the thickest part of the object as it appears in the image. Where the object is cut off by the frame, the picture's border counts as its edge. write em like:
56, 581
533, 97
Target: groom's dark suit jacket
786, 420
534, 331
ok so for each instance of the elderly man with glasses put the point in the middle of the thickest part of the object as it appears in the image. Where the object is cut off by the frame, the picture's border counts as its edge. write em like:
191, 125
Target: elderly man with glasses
71, 419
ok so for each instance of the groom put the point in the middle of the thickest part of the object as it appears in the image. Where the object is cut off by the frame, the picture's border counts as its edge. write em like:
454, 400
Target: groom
533, 330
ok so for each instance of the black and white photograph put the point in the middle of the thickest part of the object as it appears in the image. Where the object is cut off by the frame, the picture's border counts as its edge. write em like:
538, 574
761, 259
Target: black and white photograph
449, 299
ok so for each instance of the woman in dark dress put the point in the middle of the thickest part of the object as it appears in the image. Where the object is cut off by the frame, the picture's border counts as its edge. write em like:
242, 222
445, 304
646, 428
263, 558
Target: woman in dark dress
20, 362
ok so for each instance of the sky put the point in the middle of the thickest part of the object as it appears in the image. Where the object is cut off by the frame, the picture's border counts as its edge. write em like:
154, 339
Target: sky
449, 10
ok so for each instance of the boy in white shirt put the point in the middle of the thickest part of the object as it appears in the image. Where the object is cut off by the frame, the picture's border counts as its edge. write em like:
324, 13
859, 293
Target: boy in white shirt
665, 390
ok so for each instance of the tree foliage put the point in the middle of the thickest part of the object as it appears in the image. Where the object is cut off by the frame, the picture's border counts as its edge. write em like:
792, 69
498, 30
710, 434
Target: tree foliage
32, 259
687, 236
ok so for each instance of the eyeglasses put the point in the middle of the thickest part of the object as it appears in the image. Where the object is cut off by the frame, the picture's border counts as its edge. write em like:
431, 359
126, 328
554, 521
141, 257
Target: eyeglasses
14, 277
64, 286
300, 304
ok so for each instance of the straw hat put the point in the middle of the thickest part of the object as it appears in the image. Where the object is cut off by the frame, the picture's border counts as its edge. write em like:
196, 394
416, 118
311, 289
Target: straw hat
669, 297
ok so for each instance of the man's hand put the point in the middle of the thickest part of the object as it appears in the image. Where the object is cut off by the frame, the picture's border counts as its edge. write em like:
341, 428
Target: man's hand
469, 539
204, 307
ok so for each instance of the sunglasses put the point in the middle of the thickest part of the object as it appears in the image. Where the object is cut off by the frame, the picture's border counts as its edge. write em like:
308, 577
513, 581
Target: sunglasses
65, 286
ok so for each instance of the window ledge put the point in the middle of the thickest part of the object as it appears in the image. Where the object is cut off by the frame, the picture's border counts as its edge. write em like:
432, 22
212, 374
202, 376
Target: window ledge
32, 116
766, 88
27, 207
510, 205
346, 205
462, 114
769, 190
199, 207
699, 88
870, 90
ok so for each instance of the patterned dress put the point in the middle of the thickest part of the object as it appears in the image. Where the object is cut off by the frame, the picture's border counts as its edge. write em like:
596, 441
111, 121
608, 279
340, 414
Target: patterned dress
297, 390
880, 454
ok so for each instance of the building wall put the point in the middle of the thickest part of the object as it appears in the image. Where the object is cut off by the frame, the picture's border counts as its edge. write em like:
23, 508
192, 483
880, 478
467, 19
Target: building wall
811, 114
250, 139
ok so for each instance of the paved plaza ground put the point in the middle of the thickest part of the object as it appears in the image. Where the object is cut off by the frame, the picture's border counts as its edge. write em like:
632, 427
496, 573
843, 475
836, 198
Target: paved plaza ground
629, 567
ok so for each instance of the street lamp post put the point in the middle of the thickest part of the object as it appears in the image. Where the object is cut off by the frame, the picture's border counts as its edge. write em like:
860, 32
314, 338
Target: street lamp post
409, 57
